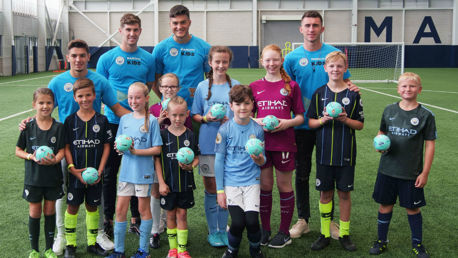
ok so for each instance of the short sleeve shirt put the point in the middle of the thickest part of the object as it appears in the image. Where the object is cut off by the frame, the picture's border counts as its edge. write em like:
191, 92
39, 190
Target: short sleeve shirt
177, 179
30, 139
62, 87
407, 131
239, 168
201, 106
122, 69
307, 69
86, 140
188, 61
272, 98
137, 169
336, 142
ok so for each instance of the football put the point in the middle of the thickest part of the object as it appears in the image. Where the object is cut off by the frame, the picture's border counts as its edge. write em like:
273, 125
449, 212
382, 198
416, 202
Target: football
382, 142
270, 122
90, 175
254, 146
218, 111
123, 142
185, 155
334, 109
42, 152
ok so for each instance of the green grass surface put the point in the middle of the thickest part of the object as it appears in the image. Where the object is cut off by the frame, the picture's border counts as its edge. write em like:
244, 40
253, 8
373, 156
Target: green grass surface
439, 216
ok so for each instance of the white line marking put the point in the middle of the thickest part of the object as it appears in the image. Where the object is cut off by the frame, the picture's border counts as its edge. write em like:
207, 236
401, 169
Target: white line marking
28, 79
15, 115
433, 91
426, 104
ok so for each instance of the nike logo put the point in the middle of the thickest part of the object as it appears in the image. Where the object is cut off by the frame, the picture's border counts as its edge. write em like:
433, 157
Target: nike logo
168, 143
259, 92
323, 99
138, 190
96, 200
416, 203
391, 118
230, 138
349, 186
284, 161
74, 129
32, 138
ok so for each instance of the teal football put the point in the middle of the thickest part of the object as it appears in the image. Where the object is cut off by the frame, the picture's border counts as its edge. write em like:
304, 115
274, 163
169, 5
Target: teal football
218, 111
165, 103
90, 175
123, 142
185, 155
382, 142
334, 109
270, 122
254, 146
42, 152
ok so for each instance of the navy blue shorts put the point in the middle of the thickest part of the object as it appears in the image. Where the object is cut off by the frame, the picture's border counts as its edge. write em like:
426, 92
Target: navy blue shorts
330, 177
388, 188
182, 200
91, 193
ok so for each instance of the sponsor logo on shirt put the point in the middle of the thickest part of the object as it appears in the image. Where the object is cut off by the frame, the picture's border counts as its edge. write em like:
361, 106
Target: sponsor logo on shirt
187, 52
86, 143
272, 104
398, 131
119, 60
68, 87
134, 60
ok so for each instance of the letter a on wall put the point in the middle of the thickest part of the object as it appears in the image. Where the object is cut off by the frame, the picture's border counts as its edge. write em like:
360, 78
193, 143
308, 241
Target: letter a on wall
427, 21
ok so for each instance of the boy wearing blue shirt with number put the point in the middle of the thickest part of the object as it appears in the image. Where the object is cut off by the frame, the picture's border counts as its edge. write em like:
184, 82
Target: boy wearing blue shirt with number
402, 171
237, 173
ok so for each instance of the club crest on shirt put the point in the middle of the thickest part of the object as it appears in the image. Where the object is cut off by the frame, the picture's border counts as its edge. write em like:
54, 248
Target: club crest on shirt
317, 182
284, 92
361, 102
142, 129
303, 61
345, 101
252, 136
162, 200
68, 87
26, 192
173, 51
119, 60
96, 128
218, 138
53, 139
70, 196
414, 121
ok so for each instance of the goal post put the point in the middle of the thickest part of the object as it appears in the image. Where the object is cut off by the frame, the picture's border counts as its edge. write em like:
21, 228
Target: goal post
372, 62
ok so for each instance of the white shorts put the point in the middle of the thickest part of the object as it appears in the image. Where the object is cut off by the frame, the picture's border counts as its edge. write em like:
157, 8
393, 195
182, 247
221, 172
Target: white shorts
207, 165
246, 197
129, 189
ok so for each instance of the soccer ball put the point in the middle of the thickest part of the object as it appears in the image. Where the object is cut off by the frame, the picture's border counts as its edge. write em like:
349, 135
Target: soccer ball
382, 142
165, 103
185, 155
90, 175
270, 122
254, 146
334, 109
42, 152
218, 111
123, 142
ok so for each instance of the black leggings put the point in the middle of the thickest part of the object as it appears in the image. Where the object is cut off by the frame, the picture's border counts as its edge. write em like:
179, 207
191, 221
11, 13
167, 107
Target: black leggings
241, 219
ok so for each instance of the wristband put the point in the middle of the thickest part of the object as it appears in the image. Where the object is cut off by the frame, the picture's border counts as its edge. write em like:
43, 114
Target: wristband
220, 191
321, 122
28, 156
204, 118
70, 166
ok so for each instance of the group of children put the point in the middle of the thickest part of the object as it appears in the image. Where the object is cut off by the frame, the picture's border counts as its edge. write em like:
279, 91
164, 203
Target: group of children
235, 182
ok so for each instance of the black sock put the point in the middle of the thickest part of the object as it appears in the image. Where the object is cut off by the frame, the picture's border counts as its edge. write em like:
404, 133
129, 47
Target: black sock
34, 232
50, 226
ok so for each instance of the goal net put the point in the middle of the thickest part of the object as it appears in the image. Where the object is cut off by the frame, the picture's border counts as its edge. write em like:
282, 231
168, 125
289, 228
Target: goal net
372, 62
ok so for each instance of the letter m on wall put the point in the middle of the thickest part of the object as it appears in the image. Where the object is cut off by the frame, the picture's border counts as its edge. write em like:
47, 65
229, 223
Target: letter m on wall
369, 24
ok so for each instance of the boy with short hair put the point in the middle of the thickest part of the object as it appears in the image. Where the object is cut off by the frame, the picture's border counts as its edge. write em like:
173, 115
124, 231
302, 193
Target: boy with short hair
335, 147
402, 171
176, 180
87, 141
237, 173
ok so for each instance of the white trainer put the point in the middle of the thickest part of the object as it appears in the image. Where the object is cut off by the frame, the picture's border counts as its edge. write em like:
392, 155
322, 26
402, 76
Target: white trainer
301, 227
335, 230
59, 245
104, 241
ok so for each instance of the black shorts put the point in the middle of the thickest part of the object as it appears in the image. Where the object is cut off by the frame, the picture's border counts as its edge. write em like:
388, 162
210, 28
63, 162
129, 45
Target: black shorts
330, 177
182, 200
38, 193
387, 188
91, 193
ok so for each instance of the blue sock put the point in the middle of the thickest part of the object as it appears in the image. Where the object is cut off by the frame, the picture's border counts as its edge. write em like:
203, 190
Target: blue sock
223, 215
234, 242
211, 212
383, 224
120, 235
145, 231
416, 222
